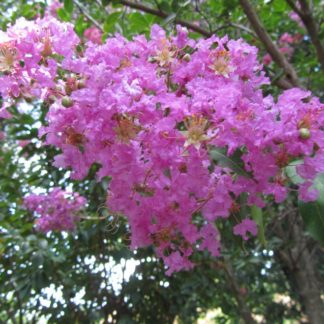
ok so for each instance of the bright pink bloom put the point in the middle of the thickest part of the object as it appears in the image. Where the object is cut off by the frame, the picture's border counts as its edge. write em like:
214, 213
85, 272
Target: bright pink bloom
23, 143
246, 226
294, 16
93, 34
51, 10
266, 59
287, 38
163, 117
57, 211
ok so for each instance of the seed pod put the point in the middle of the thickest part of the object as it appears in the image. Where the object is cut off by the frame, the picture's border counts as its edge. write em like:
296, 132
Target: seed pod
81, 84
187, 57
67, 102
304, 133
51, 99
152, 59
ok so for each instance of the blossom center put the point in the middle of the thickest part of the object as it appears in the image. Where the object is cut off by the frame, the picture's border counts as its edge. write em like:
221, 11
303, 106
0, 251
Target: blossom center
196, 131
221, 63
126, 129
8, 54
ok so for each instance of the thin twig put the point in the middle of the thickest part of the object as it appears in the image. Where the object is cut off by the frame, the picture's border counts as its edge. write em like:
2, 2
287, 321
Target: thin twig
270, 46
197, 8
293, 6
235, 25
244, 310
305, 14
162, 14
85, 12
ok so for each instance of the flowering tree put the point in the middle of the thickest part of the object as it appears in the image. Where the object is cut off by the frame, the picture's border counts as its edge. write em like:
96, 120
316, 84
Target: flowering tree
194, 140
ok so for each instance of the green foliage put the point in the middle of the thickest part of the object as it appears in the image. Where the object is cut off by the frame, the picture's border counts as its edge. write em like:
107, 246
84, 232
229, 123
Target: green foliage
68, 6
220, 158
63, 14
313, 212
257, 216
110, 22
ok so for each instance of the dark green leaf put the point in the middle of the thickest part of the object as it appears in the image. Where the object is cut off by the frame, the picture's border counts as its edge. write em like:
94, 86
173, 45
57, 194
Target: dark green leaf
313, 212
68, 6
111, 20
257, 216
219, 156
63, 14
169, 19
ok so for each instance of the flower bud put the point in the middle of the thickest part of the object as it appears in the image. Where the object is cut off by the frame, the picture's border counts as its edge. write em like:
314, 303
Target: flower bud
304, 133
152, 59
70, 85
81, 84
187, 57
67, 102
51, 99
58, 88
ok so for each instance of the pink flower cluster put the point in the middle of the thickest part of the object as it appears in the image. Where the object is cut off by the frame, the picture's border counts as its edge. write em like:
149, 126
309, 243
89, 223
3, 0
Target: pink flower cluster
52, 9
286, 46
295, 17
180, 126
247, 226
93, 34
287, 42
30, 54
57, 211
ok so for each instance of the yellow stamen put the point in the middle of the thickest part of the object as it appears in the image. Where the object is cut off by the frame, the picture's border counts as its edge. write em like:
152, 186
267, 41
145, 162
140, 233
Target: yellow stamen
196, 131
126, 130
221, 64
8, 54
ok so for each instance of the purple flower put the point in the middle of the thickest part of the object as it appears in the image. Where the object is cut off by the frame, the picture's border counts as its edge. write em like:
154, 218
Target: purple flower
165, 118
57, 211
246, 226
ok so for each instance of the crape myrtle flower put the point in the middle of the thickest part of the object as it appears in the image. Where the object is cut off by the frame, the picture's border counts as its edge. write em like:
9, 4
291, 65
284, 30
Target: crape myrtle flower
153, 113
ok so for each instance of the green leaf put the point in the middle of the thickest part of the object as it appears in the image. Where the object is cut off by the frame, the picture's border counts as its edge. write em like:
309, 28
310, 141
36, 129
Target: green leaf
43, 244
63, 14
68, 6
28, 11
292, 174
313, 212
138, 22
165, 6
111, 20
80, 25
184, 4
219, 155
175, 5
125, 319
257, 216
169, 19
105, 2
37, 259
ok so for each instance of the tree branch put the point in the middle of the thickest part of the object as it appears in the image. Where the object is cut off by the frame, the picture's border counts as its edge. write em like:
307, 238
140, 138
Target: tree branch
293, 6
299, 265
237, 26
243, 307
162, 14
197, 8
87, 14
270, 46
281, 83
284, 83
305, 14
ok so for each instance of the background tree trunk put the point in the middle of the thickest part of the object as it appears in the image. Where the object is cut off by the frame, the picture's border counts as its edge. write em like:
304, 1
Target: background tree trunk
297, 260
